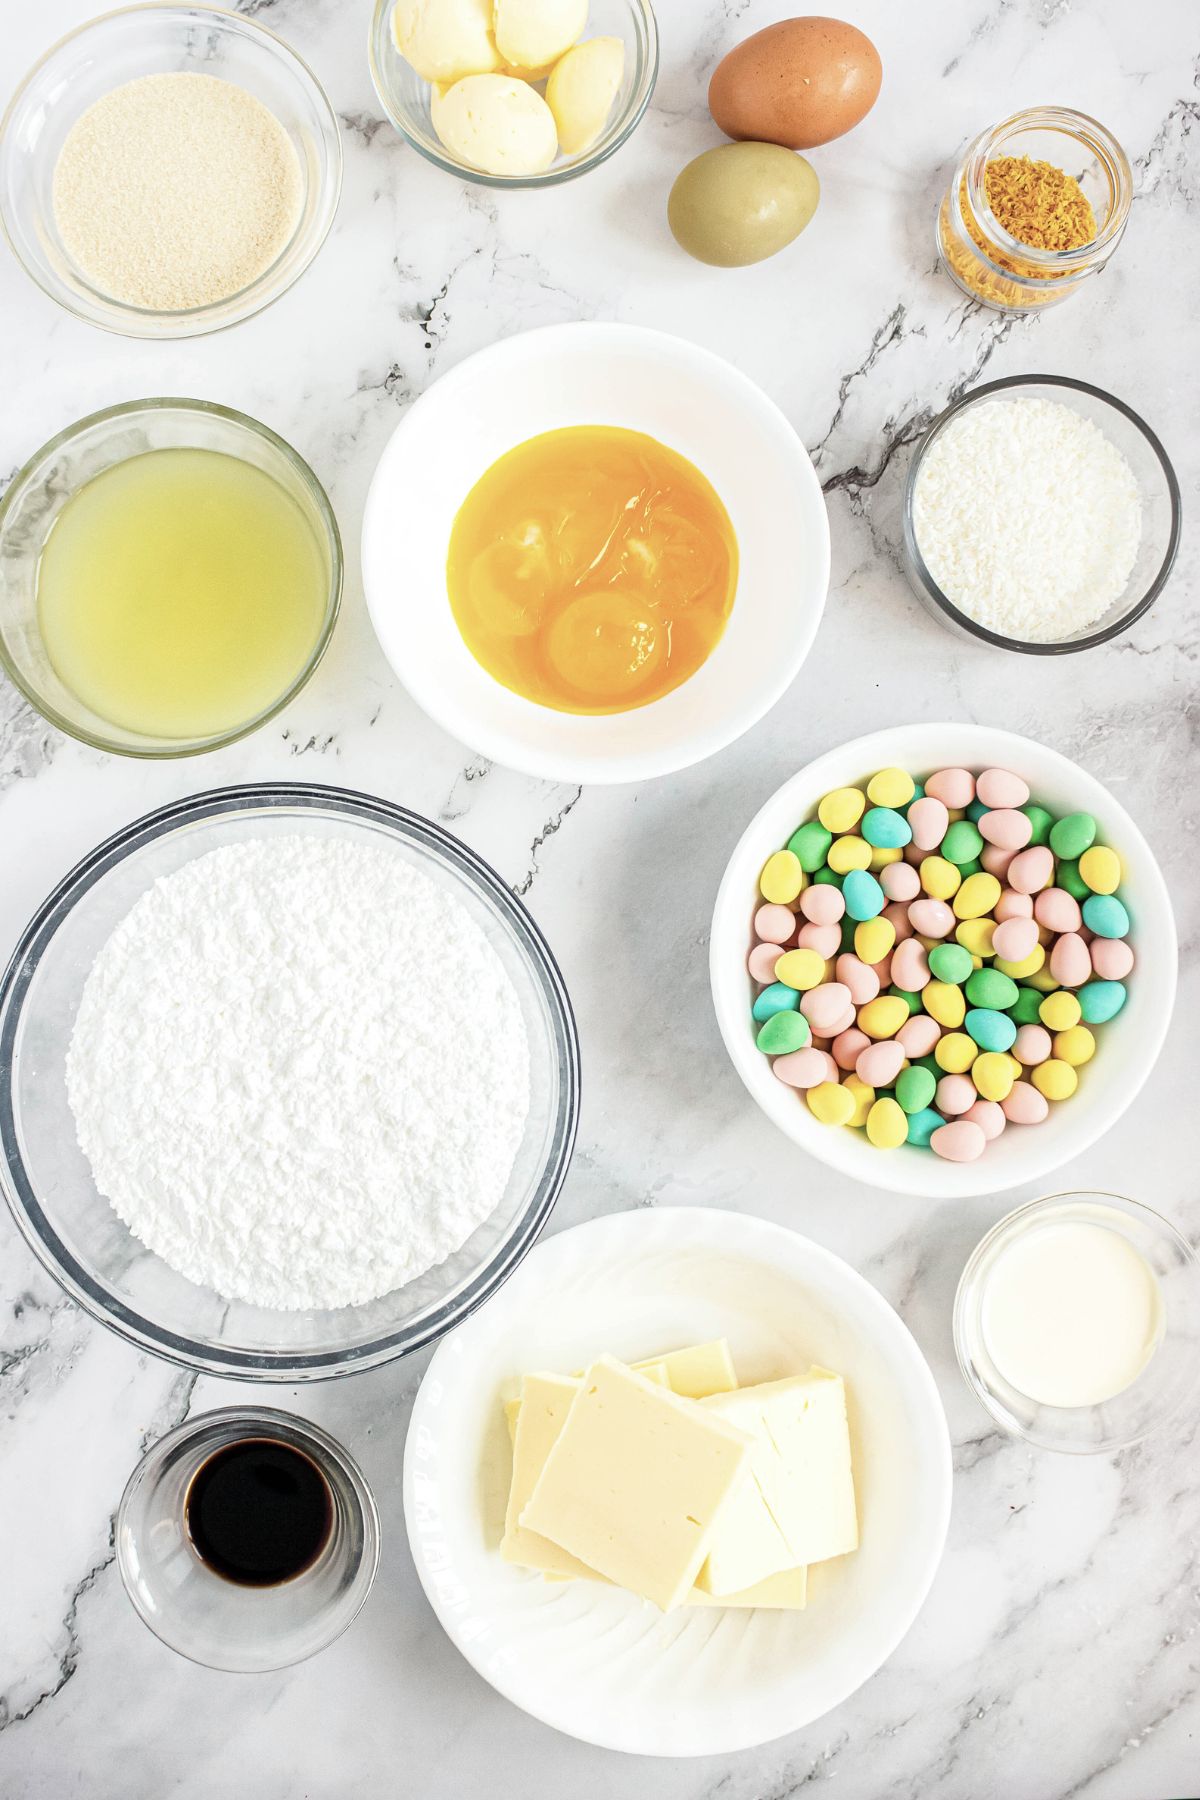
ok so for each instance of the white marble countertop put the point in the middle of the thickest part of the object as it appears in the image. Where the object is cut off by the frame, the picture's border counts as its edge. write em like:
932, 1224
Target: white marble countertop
1057, 1655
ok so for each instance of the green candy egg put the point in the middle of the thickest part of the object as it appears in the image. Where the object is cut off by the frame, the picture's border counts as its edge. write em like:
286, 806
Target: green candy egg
847, 935
962, 843
976, 811
912, 1001
827, 878
776, 998
810, 845
1067, 876
918, 794
1040, 819
1106, 916
915, 1088
1072, 835
970, 868
932, 1067
886, 829
1100, 1001
1026, 1008
783, 1032
991, 1030
950, 962
922, 1125
990, 989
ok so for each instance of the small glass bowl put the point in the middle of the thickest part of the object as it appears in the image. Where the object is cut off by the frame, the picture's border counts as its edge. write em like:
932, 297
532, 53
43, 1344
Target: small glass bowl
1157, 484
37, 495
405, 95
216, 1622
153, 40
1167, 1380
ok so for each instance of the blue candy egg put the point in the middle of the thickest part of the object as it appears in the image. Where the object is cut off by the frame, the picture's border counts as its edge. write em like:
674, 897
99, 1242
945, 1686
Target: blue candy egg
1100, 1001
886, 829
991, 1030
922, 1125
775, 999
863, 895
1106, 916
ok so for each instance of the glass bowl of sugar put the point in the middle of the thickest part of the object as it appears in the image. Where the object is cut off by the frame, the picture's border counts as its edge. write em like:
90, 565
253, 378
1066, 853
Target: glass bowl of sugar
1040, 515
168, 170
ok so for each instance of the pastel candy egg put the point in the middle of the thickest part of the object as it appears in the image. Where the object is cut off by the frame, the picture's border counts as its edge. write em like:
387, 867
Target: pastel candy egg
960, 1141
1057, 910
955, 1093
1075, 1046
944, 1002
910, 965
862, 894
900, 882
1026, 968
1031, 870
824, 939
977, 895
1106, 916
781, 878
849, 852
882, 1017
988, 987
1027, 1005
950, 962
1023, 1105
962, 843
896, 914
822, 905
848, 1046
915, 1089
1015, 939
993, 1074
1055, 1079
1070, 963
860, 981
886, 829
989, 1117
1070, 879
1072, 835
1112, 958
1006, 828
953, 787
1058, 1012
1010, 905
1001, 788
931, 918
801, 969
922, 1125
919, 1035
995, 861
1041, 821
842, 809
1100, 867
954, 1052
879, 1064
802, 1068
873, 939
940, 877
864, 1100
891, 787
783, 1032
1031, 1045
929, 821
825, 1005
775, 999
887, 1124
761, 962
810, 845
831, 1103
774, 924
847, 1022
1101, 1000
990, 1030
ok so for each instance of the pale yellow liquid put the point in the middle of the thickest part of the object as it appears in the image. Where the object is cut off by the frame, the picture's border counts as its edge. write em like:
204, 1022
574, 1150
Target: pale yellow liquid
181, 593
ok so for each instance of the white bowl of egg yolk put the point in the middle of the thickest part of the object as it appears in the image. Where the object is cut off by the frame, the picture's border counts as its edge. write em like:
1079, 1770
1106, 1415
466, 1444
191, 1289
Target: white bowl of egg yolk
1127, 1046
577, 544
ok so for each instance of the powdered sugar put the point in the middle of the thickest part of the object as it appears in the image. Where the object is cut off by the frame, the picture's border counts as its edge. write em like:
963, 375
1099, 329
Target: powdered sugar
300, 1072
1028, 518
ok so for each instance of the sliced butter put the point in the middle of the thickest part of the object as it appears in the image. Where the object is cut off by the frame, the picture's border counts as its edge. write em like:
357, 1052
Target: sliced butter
446, 39
533, 34
544, 1405
785, 1592
580, 92
495, 123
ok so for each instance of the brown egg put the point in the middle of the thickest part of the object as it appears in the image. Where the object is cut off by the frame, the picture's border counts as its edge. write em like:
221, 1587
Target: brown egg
799, 83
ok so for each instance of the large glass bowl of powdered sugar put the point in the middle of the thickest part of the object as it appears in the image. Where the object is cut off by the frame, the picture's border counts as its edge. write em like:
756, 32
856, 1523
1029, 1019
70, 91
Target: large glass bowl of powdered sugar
289, 1082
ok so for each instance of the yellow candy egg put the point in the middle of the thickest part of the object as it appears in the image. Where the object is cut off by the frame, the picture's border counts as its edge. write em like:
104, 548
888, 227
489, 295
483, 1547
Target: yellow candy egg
891, 787
1043, 980
800, 969
955, 1052
883, 1017
846, 853
1055, 1079
1100, 867
977, 895
939, 878
976, 935
1058, 1012
887, 1124
993, 1075
830, 1102
873, 938
880, 858
782, 878
1029, 965
1075, 1046
944, 1002
864, 1100
842, 809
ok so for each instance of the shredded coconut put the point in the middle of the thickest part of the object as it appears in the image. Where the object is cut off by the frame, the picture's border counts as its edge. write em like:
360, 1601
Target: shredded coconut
1028, 518
300, 1072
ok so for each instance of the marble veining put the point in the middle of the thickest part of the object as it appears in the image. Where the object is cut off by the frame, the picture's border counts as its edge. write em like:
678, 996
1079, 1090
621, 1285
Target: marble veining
1057, 1656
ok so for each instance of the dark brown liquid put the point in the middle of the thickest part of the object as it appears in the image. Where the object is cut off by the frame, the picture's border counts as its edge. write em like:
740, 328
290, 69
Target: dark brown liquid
258, 1512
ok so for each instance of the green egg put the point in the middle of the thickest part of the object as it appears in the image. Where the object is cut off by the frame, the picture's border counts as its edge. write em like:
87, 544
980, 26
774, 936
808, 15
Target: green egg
950, 962
827, 878
1072, 835
740, 203
912, 1001
810, 845
962, 843
915, 1088
1026, 1008
783, 1032
976, 811
1040, 819
990, 989
1067, 876
931, 1065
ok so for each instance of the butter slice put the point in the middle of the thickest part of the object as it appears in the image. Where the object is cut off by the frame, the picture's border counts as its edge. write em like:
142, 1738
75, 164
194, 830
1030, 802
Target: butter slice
653, 1371
636, 1482
785, 1592
544, 1405
698, 1370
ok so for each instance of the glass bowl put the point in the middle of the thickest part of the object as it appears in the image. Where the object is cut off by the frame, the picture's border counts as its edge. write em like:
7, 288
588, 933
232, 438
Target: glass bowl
48, 1184
195, 1611
1156, 481
1167, 1380
405, 95
37, 495
153, 40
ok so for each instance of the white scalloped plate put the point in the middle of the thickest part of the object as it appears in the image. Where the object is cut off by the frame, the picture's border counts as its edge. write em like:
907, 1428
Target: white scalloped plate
598, 1663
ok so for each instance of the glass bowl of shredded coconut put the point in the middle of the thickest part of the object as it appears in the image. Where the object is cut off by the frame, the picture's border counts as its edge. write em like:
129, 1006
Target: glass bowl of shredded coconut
168, 170
1041, 515
290, 1082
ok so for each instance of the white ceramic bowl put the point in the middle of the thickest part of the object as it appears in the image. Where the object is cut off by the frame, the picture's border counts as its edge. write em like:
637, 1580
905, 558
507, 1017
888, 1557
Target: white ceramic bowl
1128, 1045
597, 1662
588, 374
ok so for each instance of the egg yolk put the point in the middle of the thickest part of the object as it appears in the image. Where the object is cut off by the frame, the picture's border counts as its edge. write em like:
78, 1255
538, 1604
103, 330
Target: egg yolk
592, 570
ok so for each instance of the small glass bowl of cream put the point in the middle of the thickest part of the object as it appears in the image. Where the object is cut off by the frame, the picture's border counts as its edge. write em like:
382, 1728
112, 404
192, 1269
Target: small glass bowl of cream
1077, 1322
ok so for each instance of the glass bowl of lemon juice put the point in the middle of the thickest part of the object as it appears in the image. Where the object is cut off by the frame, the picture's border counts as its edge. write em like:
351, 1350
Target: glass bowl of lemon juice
170, 574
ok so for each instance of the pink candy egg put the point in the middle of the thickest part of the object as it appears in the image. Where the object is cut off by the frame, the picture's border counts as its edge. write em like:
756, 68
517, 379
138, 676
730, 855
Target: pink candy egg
822, 903
1031, 869
1031, 1045
918, 1035
995, 860
847, 1022
848, 1046
899, 881
961, 1141
1057, 910
824, 939
1112, 958
859, 980
1024, 1105
929, 821
803, 1068
988, 1116
824, 1006
953, 787
1015, 939
774, 924
1007, 829
931, 918
1000, 787
910, 966
882, 971
1070, 961
955, 1093
761, 962
879, 1064
896, 914
1012, 905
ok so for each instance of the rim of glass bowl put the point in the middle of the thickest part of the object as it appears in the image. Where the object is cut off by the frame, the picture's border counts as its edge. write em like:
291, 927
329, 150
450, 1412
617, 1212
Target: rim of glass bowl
964, 1297
379, 36
166, 752
40, 1234
257, 295
982, 632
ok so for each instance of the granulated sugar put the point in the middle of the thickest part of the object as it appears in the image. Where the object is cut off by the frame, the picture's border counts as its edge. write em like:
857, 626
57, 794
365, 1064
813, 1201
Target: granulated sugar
176, 191
300, 1072
1028, 518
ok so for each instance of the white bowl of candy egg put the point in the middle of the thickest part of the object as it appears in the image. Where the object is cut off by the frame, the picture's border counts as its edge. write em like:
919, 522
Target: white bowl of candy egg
1127, 1046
